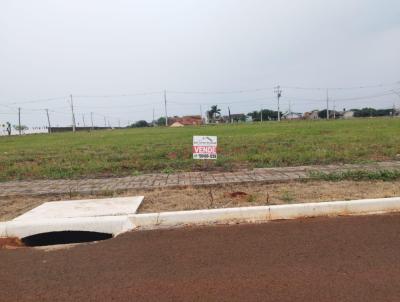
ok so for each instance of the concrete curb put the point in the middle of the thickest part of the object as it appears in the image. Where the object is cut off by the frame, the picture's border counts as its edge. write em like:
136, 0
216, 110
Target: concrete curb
114, 225
264, 213
3, 229
119, 224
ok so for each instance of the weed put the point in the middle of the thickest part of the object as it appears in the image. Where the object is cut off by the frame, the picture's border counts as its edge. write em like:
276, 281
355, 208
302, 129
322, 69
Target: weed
384, 175
251, 198
136, 173
287, 197
168, 170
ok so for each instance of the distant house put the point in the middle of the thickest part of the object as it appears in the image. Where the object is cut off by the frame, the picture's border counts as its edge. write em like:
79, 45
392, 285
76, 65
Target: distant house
347, 114
313, 115
177, 125
190, 120
236, 117
292, 116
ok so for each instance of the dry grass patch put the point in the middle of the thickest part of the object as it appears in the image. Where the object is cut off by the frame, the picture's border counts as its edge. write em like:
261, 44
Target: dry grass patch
191, 198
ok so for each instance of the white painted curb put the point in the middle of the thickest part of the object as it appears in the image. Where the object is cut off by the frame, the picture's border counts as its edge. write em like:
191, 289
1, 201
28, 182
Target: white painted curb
119, 224
3, 232
106, 224
265, 213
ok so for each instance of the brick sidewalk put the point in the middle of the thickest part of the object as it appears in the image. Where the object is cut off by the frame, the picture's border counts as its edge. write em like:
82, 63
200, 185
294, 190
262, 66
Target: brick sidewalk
151, 181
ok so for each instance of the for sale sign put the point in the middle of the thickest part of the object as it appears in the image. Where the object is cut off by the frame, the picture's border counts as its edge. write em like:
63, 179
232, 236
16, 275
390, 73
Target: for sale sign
204, 147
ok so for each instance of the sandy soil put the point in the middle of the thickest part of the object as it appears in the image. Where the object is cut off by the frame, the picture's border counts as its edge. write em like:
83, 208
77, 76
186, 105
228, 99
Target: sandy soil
226, 196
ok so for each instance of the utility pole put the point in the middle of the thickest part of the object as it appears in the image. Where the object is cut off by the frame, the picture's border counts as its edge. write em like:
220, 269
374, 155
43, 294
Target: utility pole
83, 119
398, 94
327, 104
165, 105
105, 122
278, 92
48, 119
91, 119
119, 123
201, 114
154, 121
19, 120
229, 114
73, 114
261, 115
334, 109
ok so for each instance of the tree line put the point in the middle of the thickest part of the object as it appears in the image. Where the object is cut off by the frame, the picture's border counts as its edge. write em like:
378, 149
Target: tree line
214, 115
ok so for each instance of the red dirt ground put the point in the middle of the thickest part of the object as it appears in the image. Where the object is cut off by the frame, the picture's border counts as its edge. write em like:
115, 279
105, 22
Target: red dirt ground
322, 259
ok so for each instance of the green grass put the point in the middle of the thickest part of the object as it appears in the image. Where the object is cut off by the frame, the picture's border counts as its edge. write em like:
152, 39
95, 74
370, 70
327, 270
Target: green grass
384, 175
135, 151
287, 197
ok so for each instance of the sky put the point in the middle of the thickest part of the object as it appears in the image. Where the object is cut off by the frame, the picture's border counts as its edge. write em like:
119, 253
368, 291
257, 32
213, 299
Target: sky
117, 57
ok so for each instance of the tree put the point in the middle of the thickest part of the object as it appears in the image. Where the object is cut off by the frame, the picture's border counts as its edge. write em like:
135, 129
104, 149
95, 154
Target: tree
322, 114
214, 113
161, 121
17, 127
8, 128
370, 112
141, 124
238, 118
266, 115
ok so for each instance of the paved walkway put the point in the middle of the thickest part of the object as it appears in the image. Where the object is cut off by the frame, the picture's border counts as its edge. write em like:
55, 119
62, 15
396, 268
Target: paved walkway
151, 181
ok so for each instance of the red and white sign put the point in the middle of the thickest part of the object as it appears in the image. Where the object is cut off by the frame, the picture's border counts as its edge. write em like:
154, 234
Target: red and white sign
204, 147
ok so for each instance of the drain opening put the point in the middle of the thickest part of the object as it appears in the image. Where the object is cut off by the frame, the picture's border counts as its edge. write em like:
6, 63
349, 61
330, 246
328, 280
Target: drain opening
64, 237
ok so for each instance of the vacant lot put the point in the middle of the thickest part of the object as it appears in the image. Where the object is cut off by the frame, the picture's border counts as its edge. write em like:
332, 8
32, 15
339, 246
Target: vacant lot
134, 151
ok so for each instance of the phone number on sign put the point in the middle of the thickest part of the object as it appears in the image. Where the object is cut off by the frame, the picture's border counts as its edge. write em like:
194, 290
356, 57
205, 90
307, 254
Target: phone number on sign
205, 156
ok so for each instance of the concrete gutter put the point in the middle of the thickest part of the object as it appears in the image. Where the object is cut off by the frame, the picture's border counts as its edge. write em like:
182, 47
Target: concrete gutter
265, 213
105, 215
114, 225
119, 224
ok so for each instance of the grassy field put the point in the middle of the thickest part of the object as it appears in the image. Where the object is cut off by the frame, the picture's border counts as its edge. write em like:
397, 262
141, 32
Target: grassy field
134, 151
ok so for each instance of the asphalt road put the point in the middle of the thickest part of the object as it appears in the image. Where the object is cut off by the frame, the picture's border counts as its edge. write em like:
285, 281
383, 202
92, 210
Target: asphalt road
325, 259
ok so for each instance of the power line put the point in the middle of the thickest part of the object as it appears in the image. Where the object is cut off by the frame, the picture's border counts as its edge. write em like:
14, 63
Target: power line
343, 88
118, 95
80, 96
220, 102
113, 106
365, 97
194, 102
37, 101
396, 92
220, 92
204, 92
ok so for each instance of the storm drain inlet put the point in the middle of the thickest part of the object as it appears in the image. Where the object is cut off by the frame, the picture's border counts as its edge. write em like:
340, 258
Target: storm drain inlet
64, 237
